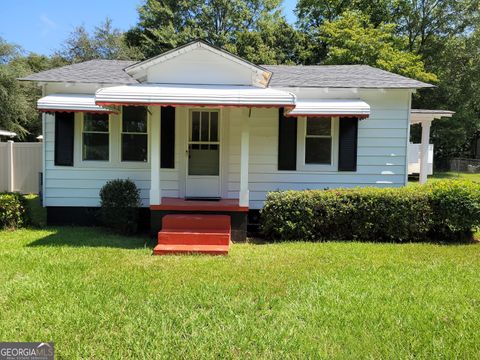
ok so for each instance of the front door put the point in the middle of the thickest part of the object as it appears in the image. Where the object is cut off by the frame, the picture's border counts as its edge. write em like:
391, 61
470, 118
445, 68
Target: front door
203, 165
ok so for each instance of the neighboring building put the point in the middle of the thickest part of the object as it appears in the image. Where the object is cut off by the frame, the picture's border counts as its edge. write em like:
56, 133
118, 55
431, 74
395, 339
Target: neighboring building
200, 123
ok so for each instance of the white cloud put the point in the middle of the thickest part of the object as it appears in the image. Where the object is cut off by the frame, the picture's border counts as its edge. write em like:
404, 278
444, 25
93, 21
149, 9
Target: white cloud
47, 24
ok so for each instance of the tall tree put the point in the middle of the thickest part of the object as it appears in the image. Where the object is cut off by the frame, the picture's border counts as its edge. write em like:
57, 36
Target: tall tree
353, 39
18, 99
458, 67
106, 42
254, 29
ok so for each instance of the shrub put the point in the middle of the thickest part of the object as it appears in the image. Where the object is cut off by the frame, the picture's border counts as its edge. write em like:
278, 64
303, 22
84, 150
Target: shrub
120, 202
455, 208
13, 211
439, 211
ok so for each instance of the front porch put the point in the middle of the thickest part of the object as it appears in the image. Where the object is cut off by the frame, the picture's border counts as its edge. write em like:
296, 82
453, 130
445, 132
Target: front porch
180, 204
237, 213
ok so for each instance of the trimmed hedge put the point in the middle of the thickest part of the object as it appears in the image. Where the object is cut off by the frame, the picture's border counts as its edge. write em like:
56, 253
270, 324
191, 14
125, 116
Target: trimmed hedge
443, 210
120, 203
13, 211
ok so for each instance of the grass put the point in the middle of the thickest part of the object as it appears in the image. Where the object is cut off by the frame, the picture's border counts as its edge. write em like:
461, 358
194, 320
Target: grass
99, 296
456, 175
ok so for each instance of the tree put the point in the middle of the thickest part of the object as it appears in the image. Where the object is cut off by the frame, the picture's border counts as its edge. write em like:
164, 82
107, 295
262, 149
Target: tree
458, 67
353, 39
273, 43
253, 29
428, 23
18, 99
14, 108
106, 42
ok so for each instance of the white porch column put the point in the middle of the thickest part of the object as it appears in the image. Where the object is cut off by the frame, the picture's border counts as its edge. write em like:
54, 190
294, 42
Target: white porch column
155, 188
424, 151
10, 166
244, 197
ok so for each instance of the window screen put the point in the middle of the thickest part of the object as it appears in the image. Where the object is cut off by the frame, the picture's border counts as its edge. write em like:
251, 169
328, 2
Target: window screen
134, 134
95, 135
318, 141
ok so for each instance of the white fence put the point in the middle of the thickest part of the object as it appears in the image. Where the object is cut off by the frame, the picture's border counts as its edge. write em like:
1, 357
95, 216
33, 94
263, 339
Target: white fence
414, 159
20, 165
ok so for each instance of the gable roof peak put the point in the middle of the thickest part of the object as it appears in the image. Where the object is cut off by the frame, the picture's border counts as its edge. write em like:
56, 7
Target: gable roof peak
261, 78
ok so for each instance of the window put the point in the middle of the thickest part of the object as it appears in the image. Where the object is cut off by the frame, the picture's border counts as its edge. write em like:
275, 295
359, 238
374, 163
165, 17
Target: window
95, 137
134, 134
318, 141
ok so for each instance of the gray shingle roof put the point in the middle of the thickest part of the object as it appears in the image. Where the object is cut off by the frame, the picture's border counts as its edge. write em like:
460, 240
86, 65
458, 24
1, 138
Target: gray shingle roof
93, 71
339, 76
332, 76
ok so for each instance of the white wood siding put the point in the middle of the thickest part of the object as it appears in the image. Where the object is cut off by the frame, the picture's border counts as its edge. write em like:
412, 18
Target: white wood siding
382, 143
80, 185
382, 146
199, 66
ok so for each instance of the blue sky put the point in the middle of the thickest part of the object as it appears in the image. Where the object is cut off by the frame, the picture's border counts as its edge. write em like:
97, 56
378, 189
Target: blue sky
42, 25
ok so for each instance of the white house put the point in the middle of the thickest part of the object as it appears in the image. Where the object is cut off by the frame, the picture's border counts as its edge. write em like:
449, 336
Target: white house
198, 123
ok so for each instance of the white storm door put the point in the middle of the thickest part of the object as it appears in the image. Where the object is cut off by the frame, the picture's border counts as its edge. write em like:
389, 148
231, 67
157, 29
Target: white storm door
203, 163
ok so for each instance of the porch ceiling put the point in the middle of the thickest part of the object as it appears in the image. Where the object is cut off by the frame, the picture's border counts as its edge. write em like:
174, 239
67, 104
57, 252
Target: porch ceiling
421, 115
194, 95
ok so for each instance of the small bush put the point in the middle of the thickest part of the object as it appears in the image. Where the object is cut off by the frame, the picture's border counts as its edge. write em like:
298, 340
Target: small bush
455, 208
120, 202
443, 210
13, 211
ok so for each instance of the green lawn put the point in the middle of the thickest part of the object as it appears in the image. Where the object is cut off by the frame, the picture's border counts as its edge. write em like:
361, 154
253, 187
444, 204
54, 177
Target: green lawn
455, 175
103, 296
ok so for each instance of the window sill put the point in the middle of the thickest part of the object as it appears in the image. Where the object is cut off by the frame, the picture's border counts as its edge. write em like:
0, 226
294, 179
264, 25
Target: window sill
317, 168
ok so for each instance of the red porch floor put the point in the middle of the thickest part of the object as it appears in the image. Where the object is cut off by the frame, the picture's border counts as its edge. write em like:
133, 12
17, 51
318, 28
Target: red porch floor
179, 204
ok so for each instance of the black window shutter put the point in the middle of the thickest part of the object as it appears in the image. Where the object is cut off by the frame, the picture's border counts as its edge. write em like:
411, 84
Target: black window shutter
64, 130
287, 142
347, 151
167, 138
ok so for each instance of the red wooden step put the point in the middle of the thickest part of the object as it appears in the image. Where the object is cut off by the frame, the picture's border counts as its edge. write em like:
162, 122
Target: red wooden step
194, 233
166, 249
212, 223
193, 238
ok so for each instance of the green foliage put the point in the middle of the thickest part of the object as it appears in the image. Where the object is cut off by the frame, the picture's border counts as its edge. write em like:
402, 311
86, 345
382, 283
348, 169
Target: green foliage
444, 210
353, 39
253, 29
106, 42
458, 67
455, 207
18, 99
275, 42
120, 202
13, 211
